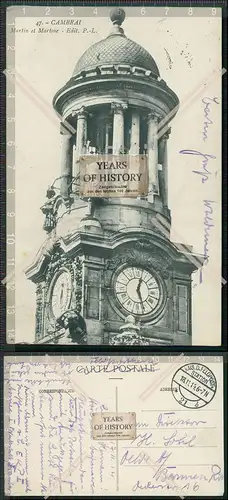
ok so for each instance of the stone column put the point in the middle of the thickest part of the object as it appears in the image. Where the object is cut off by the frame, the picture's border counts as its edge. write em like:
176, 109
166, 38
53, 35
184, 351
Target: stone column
118, 127
81, 138
135, 133
152, 147
66, 163
162, 156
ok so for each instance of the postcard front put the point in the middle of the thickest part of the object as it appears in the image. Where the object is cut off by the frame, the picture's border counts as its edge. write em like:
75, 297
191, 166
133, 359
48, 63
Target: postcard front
117, 170
113, 426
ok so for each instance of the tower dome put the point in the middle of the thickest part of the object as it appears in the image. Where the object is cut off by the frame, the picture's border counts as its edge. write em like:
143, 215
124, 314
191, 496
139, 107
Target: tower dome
116, 49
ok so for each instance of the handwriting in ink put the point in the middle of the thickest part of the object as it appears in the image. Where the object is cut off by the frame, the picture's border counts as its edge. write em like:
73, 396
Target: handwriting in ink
208, 101
204, 172
59, 424
208, 225
123, 360
130, 458
143, 439
167, 476
179, 440
169, 419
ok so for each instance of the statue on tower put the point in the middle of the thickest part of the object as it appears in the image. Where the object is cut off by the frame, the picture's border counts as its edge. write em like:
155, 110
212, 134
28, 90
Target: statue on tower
73, 326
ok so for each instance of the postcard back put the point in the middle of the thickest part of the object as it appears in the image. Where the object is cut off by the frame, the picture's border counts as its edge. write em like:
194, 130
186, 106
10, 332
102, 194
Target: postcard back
113, 426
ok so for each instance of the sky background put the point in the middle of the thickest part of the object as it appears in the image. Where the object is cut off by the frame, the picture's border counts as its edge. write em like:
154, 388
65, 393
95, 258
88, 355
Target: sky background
187, 51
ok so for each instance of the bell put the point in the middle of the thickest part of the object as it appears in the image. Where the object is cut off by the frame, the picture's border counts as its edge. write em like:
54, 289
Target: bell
50, 192
49, 223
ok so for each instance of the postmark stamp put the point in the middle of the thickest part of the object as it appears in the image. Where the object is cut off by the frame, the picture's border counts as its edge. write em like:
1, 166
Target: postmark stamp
112, 425
194, 385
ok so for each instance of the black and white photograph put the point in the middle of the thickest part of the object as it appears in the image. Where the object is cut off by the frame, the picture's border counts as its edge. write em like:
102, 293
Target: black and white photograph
117, 175
99, 425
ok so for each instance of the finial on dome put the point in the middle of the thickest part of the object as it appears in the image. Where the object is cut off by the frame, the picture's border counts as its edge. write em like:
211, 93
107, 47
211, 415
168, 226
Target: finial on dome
117, 16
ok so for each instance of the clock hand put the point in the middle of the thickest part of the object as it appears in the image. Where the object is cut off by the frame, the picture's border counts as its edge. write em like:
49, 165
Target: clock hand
139, 295
139, 285
61, 295
141, 302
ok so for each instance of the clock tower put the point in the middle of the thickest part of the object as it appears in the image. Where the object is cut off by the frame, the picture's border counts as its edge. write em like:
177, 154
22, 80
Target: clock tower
109, 261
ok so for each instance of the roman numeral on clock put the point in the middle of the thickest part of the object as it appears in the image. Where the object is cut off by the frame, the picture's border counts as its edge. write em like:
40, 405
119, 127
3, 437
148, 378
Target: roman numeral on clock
137, 290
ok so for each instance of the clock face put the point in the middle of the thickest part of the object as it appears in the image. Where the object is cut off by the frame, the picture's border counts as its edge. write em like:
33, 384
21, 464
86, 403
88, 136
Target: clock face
61, 294
137, 290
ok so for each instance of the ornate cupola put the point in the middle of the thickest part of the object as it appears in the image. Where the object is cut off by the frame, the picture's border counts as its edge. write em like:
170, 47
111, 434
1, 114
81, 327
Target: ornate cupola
116, 102
111, 257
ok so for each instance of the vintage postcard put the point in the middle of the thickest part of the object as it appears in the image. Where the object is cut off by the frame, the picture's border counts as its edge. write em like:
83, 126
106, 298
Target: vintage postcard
114, 426
114, 175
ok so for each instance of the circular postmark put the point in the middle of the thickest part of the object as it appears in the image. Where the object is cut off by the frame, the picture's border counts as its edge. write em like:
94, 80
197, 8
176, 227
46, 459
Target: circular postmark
193, 385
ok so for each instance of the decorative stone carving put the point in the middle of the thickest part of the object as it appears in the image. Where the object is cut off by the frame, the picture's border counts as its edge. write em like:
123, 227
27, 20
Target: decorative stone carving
153, 116
167, 133
80, 113
71, 322
143, 253
77, 267
128, 256
74, 327
119, 107
58, 260
129, 334
39, 310
130, 325
74, 266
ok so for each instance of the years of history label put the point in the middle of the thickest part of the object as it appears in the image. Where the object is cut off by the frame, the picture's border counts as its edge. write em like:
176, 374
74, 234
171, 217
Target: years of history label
112, 425
113, 176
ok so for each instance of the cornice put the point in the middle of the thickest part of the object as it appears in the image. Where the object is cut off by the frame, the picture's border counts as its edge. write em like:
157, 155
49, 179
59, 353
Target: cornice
147, 239
76, 88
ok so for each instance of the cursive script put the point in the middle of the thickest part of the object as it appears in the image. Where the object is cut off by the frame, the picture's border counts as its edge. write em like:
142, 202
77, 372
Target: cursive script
208, 101
167, 476
208, 225
179, 439
169, 419
53, 426
204, 172
108, 360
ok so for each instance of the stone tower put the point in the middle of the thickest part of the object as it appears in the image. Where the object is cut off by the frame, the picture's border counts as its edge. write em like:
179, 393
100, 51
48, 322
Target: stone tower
108, 258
